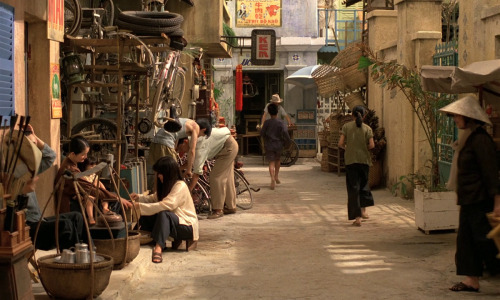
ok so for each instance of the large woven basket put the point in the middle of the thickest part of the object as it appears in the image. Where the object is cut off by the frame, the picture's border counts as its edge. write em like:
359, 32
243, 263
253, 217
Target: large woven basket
105, 246
353, 78
328, 80
349, 56
73, 281
354, 99
375, 174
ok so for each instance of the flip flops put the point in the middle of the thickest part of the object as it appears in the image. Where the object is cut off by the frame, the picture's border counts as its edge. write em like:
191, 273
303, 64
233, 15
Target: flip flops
462, 287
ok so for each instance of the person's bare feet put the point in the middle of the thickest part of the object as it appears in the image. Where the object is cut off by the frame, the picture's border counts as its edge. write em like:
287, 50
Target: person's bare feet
273, 184
277, 181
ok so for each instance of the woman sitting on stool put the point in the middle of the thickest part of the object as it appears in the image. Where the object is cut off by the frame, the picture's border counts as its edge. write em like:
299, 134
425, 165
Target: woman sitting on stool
170, 211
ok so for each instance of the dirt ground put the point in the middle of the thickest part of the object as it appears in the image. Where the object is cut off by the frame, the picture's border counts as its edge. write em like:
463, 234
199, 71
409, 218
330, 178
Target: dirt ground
296, 243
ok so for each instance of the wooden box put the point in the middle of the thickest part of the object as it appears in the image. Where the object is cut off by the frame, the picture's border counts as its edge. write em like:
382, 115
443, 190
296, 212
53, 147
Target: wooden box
436, 210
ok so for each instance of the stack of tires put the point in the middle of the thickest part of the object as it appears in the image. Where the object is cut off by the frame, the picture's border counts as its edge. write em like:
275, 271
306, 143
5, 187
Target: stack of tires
147, 23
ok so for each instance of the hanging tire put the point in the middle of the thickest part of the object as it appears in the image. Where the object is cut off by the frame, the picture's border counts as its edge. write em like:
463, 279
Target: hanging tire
101, 129
148, 18
147, 30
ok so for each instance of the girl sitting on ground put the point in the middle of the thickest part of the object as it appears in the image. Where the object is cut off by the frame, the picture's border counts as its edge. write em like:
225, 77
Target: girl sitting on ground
88, 164
170, 211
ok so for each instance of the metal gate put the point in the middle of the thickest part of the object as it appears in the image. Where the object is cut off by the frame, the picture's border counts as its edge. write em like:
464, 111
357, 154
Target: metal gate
446, 55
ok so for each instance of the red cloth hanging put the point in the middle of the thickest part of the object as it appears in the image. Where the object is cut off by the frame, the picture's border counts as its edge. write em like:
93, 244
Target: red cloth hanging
239, 88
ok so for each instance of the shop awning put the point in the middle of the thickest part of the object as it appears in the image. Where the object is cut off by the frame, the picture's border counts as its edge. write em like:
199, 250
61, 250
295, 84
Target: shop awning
328, 49
455, 80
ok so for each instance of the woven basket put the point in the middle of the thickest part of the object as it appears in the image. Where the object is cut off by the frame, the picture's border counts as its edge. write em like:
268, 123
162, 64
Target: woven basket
354, 99
73, 281
327, 80
353, 78
348, 57
375, 174
105, 246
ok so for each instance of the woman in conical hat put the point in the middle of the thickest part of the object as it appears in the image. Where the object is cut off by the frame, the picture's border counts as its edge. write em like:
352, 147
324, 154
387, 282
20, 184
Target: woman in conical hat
474, 176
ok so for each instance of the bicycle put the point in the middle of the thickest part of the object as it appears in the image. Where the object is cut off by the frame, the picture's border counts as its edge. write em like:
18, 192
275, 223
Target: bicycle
200, 193
244, 197
290, 154
170, 85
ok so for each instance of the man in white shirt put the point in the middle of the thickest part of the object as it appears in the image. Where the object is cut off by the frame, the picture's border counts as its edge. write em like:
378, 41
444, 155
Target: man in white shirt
222, 147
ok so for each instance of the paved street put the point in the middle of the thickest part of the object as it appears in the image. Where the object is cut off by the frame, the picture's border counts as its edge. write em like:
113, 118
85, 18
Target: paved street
296, 243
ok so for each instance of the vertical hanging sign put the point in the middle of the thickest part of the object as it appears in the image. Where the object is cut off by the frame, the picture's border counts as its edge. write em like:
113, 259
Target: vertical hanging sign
55, 20
55, 92
263, 47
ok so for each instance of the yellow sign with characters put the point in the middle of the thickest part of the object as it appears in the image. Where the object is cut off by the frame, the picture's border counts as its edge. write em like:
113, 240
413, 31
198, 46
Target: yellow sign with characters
258, 13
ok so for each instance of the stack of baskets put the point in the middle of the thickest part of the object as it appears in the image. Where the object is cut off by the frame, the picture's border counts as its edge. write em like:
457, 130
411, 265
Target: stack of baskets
327, 80
342, 75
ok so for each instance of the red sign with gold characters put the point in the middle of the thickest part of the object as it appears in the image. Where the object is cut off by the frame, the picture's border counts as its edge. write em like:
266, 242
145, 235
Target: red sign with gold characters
258, 13
55, 20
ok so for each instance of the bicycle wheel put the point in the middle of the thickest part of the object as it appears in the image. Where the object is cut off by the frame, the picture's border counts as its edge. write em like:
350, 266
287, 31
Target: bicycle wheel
109, 16
244, 199
290, 154
72, 17
159, 105
101, 129
178, 88
201, 197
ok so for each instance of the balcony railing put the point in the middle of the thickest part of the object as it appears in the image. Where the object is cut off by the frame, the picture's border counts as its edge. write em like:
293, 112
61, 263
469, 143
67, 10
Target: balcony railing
341, 26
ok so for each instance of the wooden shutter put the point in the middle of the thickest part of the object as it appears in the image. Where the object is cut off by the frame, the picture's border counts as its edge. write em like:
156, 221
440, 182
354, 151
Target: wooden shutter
6, 60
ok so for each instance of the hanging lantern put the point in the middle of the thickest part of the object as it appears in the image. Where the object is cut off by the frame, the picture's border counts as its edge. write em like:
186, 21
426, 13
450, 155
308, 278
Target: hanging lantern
239, 88
72, 68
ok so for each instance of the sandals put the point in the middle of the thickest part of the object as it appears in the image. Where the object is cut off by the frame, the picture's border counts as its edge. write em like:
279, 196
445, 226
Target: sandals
157, 258
462, 287
356, 223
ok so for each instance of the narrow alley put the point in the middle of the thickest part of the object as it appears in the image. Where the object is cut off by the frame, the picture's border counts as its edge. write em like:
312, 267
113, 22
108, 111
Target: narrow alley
296, 243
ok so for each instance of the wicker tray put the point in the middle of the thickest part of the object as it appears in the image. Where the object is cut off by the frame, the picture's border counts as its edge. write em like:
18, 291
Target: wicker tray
353, 78
354, 99
348, 57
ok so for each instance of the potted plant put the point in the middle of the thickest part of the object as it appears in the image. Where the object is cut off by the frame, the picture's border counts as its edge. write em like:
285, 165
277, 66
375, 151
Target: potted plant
435, 208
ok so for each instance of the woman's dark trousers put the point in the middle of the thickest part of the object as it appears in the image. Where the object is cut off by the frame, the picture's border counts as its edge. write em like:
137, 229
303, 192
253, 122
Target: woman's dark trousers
165, 224
358, 190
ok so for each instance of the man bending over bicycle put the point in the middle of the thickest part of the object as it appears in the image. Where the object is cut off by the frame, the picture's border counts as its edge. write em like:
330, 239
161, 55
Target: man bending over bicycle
191, 129
222, 147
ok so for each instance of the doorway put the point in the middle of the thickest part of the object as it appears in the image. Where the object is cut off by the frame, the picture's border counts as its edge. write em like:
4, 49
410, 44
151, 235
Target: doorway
258, 87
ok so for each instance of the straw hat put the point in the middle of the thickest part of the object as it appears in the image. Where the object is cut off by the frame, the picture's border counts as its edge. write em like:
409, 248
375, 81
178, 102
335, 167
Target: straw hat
30, 156
276, 99
467, 106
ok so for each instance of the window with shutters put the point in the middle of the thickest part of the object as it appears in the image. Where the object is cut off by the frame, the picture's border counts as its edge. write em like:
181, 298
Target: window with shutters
6, 60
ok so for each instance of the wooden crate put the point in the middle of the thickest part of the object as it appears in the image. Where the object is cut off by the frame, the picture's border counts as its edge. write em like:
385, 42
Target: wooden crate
436, 210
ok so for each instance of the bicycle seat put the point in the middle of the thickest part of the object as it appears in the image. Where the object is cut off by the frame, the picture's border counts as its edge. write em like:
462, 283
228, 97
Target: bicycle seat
178, 42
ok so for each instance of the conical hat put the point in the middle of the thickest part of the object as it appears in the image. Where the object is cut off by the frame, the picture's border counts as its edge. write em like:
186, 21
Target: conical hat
29, 154
467, 106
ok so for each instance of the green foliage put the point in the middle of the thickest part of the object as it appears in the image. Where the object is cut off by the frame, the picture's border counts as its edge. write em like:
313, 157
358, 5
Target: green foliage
228, 31
218, 90
425, 105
